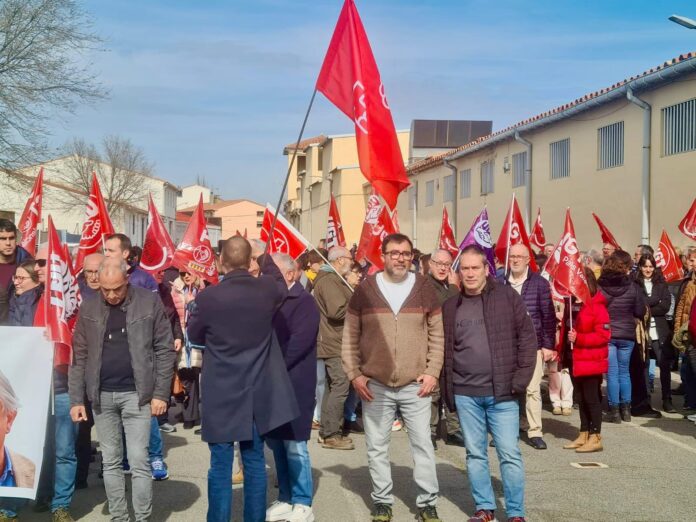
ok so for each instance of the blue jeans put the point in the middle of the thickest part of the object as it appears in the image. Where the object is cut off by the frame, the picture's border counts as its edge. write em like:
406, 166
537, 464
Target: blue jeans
478, 416
220, 480
618, 376
155, 449
66, 460
688, 377
350, 406
294, 471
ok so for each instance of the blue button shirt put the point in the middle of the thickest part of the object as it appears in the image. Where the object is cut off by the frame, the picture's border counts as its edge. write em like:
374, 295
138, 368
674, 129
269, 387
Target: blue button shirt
7, 478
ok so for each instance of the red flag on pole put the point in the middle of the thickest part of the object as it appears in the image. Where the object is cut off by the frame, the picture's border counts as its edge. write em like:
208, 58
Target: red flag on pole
667, 260
687, 226
334, 231
513, 233
395, 220
565, 267
349, 78
378, 224
195, 254
607, 237
62, 292
538, 238
96, 226
158, 249
447, 239
31, 217
286, 238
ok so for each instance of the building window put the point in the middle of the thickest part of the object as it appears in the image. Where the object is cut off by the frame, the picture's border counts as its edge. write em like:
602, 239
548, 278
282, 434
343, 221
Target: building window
610, 146
487, 168
448, 188
412, 195
465, 183
519, 163
429, 193
560, 159
259, 213
679, 128
259, 224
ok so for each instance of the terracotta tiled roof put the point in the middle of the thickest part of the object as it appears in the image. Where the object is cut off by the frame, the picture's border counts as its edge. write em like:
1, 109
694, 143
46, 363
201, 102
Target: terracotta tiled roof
437, 159
217, 206
304, 143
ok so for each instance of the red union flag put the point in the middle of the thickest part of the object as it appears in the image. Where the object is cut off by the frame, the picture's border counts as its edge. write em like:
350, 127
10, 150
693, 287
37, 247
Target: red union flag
195, 254
349, 78
158, 249
667, 260
538, 238
97, 224
31, 217
286, 239
565, 268
334, 229
447, 240
378, 224
513, 233
687, 226
62, 292
607, 237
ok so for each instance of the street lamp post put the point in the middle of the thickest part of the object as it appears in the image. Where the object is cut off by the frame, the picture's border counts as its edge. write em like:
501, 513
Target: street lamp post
684, 21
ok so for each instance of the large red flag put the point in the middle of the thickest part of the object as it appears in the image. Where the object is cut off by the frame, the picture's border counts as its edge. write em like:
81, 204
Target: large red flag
687, 226
537, 237
286, 238
62, 292
158, 249
513, 233
97, 224
447, 240
378, 224
349, 78
668, 260
334, 229
31, 217
565, 267
195, 254
607, 237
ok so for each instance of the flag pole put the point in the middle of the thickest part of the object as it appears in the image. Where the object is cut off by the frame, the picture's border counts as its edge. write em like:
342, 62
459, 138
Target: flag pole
332, 268
287, 176
507, 251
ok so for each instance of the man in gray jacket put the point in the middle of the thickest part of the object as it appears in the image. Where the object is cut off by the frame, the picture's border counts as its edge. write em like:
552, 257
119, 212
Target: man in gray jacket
124, 361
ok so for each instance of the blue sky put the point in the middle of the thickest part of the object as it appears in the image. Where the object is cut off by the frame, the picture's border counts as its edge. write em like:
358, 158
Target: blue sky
217, 88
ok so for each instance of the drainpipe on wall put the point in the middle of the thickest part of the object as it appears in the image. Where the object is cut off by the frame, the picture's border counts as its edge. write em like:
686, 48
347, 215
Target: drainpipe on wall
527, 180
455, 196
647, 117
414, 215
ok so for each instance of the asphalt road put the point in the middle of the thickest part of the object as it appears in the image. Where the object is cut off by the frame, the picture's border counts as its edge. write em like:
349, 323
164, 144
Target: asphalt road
650, 476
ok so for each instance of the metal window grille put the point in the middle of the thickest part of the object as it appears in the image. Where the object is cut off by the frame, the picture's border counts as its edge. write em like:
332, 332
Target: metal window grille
448, 188
560, 159
519, 161
679, 128
429, 193
487, 168
412, 197
465, 183
610, 145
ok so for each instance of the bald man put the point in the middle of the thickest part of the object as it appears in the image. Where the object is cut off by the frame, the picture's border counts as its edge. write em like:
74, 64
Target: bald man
124, 362
89, 277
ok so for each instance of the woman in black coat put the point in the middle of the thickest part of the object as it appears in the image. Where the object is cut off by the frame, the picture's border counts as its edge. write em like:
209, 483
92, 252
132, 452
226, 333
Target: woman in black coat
659, 299
26, 295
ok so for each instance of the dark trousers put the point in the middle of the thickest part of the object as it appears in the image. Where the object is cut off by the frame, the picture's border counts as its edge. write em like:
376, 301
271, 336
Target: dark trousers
190, 380
589, 390
83, 446
664, 355
638, 368
335, 394
436, 414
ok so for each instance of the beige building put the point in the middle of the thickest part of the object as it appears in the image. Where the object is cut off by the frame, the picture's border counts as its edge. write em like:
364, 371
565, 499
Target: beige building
191, 194
241, 215
626, 152
328, 165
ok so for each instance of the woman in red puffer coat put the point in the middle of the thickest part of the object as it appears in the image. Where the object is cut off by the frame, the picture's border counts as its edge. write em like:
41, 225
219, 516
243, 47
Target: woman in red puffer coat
590, 351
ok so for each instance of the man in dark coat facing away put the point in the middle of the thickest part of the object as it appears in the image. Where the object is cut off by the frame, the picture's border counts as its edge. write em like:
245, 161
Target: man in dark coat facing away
296, 325
244, 380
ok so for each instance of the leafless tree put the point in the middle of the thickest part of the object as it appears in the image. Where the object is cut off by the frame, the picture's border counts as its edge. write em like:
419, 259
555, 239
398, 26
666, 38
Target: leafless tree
121, 167
43, 72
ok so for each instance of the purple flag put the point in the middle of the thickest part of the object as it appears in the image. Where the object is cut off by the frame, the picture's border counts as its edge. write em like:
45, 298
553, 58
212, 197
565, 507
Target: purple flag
480, 234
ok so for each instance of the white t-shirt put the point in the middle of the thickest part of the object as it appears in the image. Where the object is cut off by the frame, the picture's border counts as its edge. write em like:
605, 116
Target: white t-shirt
396, 293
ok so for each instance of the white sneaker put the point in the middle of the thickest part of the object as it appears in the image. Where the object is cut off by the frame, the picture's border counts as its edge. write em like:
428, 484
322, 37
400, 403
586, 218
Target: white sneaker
278, 511
692, 417
301, 513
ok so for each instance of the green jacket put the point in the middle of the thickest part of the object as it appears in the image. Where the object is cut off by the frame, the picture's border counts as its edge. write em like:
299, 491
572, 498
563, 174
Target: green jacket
332, 296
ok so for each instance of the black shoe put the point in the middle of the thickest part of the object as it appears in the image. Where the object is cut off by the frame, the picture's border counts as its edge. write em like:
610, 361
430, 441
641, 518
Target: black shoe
382, 513
625, 411
612, 415
188, 425
428, 514
455, 439
537, 443
197, 431
355, 426
646, 412
668, 407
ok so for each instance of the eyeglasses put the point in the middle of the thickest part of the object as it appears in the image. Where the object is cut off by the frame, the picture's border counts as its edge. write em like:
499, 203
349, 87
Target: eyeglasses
20, 279
442, 265
91, 273
518, 258
396, 254
41, 263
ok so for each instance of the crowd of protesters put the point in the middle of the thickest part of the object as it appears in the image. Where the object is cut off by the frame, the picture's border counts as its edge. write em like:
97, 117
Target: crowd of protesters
447, 352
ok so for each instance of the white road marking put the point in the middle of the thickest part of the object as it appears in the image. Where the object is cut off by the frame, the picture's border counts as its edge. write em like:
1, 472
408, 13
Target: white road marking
651, 431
